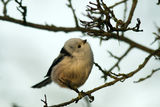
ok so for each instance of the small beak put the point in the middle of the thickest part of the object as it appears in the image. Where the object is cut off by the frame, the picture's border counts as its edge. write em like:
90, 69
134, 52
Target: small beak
84, 41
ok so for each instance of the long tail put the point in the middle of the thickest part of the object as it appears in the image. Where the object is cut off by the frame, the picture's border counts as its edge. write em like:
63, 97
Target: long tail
42, 83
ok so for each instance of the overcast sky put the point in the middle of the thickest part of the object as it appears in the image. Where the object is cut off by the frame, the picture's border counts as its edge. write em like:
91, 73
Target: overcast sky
27, 53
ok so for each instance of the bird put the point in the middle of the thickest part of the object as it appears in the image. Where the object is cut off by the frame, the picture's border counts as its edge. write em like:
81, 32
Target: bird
72, 67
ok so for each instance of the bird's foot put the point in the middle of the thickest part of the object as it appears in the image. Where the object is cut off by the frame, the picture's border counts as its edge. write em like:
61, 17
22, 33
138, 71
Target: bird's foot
82, 94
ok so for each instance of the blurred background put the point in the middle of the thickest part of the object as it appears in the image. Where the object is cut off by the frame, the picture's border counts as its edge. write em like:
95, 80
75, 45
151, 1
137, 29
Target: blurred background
27, 53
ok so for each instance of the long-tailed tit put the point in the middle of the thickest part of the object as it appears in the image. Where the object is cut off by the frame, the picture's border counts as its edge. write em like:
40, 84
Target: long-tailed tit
72, 67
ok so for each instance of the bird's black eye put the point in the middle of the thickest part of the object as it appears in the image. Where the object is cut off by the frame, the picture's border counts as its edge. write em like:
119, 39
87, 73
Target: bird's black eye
79, 46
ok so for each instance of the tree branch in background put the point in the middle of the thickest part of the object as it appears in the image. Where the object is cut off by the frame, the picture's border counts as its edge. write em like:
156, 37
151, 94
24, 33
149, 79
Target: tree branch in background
148, 76
22, 9
157, 36
134, 4
5, 6
109, 72
101, 17
45, 101
118, 3
105, 73
73, 11
125, 11
119, 59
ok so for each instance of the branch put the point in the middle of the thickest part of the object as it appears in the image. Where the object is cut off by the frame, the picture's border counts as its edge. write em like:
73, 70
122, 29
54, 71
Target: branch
134, 4
157, 38
136, 28
22, 9
79, 29
105, 73
109, 72
118, 3
5, 6
148, 76
42, 27
119, 59
125, 11
45, 101
102, 17
136, 45
73, 11
122, 77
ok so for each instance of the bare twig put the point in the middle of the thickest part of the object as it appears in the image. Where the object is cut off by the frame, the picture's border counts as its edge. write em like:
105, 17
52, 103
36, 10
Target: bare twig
69, 102
73, 11
134, 4
125, 11
118, 3
105, 73
156, 38
22, 9
136, 28
106, 16
114, 56
144, 63
148, 76
119, 59
125, 14
109, 72
5, 6
45, 101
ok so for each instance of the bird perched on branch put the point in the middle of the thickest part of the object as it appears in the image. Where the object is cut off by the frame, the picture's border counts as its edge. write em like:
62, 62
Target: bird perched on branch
72, 67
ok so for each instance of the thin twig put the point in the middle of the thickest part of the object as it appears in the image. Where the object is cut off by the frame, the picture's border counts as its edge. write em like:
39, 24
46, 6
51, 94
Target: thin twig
156, 38
68, 102
134, 4
118, 3
125, 11
120, 59
105, 73
73, 11
105, 17
22, 9
45, 101
148, 76
5, 6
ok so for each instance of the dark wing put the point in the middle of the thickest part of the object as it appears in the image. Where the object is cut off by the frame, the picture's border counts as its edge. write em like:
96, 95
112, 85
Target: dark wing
43, 83
63, 53
55, 62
